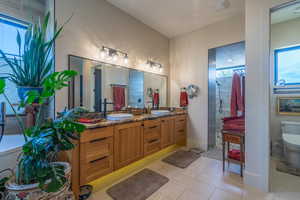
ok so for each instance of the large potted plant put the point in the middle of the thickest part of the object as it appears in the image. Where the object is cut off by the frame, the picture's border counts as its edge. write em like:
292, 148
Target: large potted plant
38, 174
29, 69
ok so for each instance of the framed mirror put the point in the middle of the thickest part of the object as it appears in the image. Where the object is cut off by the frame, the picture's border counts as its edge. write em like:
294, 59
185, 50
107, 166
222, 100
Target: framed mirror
120, 86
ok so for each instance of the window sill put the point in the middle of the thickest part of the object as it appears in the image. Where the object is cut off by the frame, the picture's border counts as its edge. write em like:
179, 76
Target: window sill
11, 144
288, 89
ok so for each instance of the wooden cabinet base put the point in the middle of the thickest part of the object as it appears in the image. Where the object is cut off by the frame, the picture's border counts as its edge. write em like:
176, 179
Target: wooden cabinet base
101, 151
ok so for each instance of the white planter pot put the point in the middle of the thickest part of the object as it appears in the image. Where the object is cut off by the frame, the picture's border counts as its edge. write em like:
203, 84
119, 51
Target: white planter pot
33, 192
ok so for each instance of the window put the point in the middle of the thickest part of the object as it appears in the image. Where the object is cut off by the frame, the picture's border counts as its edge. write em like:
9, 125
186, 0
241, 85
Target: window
8, 33
287, 66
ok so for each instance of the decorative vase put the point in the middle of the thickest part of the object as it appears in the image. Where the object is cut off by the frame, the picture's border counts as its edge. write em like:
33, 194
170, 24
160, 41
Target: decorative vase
33, 192
22, 90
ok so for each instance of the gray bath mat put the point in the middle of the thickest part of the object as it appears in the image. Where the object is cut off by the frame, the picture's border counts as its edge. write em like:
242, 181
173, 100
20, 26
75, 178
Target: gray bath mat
182, 159
138, 187
285, 168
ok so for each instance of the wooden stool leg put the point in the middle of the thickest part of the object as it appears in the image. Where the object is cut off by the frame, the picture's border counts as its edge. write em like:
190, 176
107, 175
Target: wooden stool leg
223, 143
241, 157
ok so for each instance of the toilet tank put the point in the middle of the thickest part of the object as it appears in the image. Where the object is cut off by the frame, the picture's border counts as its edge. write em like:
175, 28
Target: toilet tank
290, 127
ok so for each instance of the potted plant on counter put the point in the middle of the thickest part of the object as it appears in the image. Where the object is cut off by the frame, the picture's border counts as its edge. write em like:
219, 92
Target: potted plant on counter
29, 69
38, 175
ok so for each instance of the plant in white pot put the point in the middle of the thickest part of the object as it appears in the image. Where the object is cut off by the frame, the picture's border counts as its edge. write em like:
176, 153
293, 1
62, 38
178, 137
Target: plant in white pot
29, 69
38, 174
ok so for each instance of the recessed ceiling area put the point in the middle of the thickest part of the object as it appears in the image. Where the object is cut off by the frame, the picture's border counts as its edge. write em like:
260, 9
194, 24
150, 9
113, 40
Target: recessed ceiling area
177, 17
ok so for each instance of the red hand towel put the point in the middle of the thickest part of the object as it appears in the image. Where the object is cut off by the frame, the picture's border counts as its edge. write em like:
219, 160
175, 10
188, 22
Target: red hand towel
184, 99
236, 96
156, 98
119, 98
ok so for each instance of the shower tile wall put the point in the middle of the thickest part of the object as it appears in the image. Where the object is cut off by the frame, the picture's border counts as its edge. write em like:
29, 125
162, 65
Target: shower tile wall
225, 90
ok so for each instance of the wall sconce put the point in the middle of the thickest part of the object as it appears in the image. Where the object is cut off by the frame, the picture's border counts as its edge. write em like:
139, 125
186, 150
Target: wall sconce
154, 65
113, 54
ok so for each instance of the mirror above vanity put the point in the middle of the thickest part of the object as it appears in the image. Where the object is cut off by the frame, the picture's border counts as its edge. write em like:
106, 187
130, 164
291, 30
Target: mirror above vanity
117, 87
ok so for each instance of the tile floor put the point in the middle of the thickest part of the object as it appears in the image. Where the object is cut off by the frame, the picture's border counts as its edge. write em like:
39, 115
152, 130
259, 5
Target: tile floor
204, 180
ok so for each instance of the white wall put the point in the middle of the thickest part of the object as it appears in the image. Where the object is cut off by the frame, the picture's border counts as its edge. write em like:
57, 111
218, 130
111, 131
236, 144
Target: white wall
189, 61
96, 23
257, 91
283, 34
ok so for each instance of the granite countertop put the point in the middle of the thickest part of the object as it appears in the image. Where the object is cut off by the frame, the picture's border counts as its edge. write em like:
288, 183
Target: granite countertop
136, 118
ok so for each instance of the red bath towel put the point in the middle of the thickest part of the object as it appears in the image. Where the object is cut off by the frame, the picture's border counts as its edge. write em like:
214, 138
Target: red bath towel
119, 98
235, 154
184, 99
236, 96
156, 99
234, 124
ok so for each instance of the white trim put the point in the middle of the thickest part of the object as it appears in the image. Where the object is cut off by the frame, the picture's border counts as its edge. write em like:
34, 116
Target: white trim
255, 180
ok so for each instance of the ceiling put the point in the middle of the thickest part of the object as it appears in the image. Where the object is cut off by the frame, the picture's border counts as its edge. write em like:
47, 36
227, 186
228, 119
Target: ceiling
177, 17
286, 13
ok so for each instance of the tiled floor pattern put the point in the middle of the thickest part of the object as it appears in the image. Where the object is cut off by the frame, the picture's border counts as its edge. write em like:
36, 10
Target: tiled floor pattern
204, 180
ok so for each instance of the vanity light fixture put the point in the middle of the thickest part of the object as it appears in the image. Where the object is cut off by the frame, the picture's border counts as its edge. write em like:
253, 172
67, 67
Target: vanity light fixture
113, 54
154, 65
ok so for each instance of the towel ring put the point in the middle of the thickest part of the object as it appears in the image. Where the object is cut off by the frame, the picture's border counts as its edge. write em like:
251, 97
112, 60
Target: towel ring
193, 91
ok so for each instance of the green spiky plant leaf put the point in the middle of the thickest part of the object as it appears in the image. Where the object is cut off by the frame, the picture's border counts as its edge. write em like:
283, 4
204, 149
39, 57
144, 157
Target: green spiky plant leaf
35, 60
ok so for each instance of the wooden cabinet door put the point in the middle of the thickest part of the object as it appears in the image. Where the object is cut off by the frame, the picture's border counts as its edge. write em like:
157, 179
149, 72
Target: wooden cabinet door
180, 130
167, 131
128, 144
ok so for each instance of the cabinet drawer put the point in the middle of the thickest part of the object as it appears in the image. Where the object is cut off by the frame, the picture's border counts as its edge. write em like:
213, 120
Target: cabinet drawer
150, 134
97, 133
95, 169
181, 131
232, 138
180, 139
180, 123
96, 148
180, 136
150, 124
151, 146
180, 118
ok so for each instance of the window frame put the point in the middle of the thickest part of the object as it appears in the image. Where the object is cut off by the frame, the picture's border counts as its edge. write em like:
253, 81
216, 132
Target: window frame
20, 24
276, 52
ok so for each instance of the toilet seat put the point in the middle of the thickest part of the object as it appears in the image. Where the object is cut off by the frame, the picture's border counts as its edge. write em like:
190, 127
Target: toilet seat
291, 139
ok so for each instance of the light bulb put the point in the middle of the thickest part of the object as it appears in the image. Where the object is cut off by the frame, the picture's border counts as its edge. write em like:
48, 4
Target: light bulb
103, 53
115, 57
148, 65
126, 59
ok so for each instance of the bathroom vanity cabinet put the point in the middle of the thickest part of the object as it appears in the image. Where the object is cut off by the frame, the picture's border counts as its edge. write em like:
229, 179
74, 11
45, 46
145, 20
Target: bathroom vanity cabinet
106, 149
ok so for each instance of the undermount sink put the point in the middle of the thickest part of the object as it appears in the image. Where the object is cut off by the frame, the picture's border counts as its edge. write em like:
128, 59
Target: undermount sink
160, 112
119, 116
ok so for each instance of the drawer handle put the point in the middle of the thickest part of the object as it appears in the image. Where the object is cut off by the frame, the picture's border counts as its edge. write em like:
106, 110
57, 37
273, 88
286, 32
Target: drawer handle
98, 140
152, 141
99, 159
181, 131
152, 127
182, 120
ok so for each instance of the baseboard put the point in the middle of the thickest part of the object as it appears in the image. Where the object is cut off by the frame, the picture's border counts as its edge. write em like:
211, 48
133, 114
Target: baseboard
256, 181
111, 178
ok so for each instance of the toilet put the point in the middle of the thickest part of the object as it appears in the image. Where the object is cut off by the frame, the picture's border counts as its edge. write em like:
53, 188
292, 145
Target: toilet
291, 142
